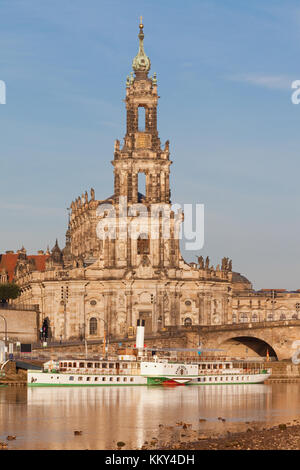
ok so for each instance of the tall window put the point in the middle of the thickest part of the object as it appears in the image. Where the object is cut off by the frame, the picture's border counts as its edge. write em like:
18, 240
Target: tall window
93, 326
141, 118
143, 244
142, 183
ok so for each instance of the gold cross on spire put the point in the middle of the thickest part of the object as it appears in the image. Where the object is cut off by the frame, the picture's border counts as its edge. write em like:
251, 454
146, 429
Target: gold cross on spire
141, 21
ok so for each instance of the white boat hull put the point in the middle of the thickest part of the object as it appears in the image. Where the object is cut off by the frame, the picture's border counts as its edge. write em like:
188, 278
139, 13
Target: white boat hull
36, 378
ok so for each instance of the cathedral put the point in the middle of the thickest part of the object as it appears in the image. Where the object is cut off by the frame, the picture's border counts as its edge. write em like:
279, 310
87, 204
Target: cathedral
102, 285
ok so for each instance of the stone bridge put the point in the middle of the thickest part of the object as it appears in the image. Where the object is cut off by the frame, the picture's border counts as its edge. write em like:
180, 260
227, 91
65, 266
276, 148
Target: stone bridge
248, 339
235, 340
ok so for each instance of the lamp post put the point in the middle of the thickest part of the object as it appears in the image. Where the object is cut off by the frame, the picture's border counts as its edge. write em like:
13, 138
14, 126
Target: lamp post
5, 340
63, 303
104, 336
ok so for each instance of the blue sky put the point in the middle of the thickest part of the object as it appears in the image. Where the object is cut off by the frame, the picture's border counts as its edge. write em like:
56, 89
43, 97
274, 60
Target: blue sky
224, 72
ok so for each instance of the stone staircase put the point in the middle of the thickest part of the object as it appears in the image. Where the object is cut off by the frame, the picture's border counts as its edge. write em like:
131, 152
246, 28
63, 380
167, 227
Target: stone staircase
283, 372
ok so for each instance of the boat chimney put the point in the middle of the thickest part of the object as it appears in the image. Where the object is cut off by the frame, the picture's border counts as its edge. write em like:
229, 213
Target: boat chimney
140, 335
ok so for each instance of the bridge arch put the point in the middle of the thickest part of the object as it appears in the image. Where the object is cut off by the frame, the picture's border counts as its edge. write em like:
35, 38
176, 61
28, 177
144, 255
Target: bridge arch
247, 346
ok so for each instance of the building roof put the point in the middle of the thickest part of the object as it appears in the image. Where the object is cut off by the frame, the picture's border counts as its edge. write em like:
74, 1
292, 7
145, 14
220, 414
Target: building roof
238, 278
8, 262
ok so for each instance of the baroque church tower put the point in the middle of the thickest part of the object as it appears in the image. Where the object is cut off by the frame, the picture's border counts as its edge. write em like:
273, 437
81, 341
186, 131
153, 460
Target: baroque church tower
142, 158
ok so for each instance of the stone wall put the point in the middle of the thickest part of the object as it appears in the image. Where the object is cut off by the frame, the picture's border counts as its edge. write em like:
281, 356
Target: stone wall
22, 325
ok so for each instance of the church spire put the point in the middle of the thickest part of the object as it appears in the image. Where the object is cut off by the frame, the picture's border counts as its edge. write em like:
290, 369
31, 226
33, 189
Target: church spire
141, 63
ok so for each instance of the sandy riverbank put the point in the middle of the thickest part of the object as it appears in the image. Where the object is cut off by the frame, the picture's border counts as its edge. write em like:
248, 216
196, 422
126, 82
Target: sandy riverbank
278, 437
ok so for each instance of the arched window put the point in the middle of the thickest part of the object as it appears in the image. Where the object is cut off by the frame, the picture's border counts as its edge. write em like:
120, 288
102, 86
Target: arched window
270, 317
282, 316
233, 318
254, 317
244, 318
188, 322
143, 244
295, 316
93, 326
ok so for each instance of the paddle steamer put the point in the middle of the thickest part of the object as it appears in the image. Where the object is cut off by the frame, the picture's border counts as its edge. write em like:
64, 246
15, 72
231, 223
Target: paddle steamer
138, 369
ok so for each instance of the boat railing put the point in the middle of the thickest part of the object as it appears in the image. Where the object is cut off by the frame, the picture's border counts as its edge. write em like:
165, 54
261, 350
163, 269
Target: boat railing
93, 371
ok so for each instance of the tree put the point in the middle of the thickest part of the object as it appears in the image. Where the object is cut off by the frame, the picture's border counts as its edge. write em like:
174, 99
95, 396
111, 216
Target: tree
9, 290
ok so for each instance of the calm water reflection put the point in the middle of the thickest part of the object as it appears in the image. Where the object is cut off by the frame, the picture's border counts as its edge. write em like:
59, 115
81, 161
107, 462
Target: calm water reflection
46, 418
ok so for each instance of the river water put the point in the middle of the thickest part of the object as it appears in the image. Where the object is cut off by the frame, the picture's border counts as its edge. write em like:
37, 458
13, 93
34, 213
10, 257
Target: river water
46, 418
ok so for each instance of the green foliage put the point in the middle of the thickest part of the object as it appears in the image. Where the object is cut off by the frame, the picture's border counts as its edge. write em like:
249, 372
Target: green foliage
9, 290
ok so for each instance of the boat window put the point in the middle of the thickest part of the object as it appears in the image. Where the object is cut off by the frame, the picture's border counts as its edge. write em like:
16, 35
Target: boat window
125, 379
111, 379
220, 366
97, 365
79, 378
65, 364
103, 379
216, 378
81, 364
74, 364
227, 366
199, 380
124, 366
209, 366
210, 379
118, 379
70, 364
204, 379
215, 366
111, 365
131, 379
88, 379
71, 378
203, 366
89, 364
104, 365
